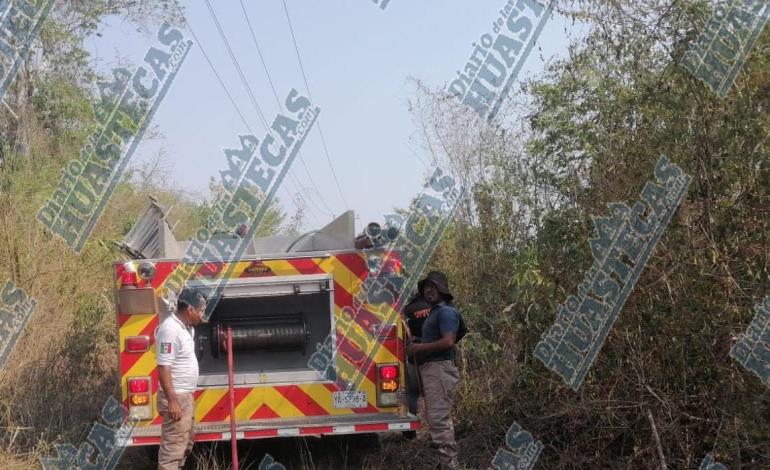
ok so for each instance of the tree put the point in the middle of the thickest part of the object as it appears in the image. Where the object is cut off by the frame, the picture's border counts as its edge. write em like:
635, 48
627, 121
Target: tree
596, 122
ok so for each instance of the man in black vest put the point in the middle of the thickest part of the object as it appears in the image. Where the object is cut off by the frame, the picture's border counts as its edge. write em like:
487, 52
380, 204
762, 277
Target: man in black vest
416, 311
436, 355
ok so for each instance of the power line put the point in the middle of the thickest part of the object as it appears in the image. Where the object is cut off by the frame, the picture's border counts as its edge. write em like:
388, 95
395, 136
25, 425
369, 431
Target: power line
213, 69
244, 81
300, 193
259, 52
320, 131
280, 107
237, 65
222, 83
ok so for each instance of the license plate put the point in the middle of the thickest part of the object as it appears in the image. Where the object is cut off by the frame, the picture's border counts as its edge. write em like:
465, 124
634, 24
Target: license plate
350, 399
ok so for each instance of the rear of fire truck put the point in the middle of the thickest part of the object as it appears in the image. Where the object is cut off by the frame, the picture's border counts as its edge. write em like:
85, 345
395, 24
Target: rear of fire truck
308, 359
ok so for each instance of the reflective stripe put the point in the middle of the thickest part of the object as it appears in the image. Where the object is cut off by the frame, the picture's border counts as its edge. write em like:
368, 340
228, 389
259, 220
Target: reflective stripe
281, 432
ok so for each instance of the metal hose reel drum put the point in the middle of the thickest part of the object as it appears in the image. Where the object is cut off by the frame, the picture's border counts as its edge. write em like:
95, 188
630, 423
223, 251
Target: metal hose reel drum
274, 332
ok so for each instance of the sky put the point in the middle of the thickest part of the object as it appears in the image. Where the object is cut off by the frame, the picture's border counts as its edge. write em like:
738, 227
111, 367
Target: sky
359, 61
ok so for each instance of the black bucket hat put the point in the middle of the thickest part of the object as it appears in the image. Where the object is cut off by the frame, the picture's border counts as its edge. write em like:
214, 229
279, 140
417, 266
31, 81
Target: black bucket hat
439, 279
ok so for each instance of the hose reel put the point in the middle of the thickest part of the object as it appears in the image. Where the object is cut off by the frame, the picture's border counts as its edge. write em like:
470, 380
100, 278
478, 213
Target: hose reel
266, 332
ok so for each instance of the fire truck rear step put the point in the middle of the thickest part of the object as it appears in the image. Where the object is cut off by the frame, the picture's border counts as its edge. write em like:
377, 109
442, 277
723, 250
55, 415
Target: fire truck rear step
318, 425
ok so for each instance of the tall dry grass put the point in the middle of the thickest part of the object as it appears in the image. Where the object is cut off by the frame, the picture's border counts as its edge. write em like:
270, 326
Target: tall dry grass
64, 366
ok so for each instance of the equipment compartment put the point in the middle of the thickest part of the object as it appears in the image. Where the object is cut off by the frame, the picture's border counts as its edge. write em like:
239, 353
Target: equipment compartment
277, 323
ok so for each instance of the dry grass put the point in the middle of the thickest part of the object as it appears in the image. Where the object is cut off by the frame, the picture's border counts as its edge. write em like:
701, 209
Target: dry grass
10, 461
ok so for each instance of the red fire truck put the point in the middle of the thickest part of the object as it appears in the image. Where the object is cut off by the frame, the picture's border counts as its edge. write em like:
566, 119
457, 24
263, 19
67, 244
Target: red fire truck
287, 300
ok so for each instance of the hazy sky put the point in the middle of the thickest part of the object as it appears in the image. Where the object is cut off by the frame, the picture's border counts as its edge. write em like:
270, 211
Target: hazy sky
357, 58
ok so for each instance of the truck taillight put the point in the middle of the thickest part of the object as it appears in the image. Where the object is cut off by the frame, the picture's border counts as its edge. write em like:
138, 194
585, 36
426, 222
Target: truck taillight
139, 397
141, 385
142, 399
388, 372
374, 263
136, 344
387, 385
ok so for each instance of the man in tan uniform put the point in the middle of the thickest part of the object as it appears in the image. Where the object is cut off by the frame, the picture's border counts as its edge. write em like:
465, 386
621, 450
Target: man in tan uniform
178, 376
439, 375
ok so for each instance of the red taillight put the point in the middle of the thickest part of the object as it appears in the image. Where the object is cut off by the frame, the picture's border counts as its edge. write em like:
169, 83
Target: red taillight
139, 398
128, 279
138, 385
137, 344
387, 385
388, 372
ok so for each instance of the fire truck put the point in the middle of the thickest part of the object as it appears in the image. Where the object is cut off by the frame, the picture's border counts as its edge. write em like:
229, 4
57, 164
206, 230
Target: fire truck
285, 300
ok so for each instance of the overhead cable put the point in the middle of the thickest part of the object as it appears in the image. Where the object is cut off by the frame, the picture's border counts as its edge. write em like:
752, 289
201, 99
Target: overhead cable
224, 87
280, 107
320, 131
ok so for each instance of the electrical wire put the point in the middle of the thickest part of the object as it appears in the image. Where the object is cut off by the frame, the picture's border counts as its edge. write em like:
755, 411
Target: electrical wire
255, 103
213, 69
222, 84
280, 107
237, 65
320, 131
244, 81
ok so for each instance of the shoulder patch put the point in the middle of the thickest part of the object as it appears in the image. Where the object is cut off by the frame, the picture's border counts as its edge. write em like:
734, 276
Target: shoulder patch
165, 348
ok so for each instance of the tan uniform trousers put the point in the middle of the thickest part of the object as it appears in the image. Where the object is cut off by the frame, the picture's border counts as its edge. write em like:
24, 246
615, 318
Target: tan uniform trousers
176, 437
439, 380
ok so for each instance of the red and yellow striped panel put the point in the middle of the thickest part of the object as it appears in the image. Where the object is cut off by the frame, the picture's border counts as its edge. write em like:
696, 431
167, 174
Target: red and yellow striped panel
358, 351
